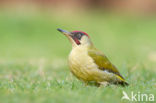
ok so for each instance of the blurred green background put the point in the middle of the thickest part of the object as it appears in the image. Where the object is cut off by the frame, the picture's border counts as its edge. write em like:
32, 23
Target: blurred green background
33, 54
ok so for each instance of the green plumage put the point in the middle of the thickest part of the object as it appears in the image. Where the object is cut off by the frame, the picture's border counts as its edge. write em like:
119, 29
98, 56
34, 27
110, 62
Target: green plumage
104, 64
89, 64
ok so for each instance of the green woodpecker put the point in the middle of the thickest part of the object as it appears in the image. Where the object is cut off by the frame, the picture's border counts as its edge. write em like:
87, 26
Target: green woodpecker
88, 63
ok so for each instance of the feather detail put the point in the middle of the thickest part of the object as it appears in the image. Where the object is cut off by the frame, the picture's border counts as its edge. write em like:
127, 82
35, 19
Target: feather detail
103, 63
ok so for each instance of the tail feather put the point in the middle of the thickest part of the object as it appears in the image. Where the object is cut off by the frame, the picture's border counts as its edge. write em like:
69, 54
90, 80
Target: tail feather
123, 83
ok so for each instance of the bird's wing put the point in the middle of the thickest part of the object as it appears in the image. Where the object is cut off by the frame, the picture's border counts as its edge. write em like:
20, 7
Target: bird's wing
103, 63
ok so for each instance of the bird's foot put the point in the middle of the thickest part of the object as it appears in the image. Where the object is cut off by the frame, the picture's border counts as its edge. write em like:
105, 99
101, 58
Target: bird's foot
86, 83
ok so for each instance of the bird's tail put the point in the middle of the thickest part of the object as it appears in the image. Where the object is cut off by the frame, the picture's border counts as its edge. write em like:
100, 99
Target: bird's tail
123, 83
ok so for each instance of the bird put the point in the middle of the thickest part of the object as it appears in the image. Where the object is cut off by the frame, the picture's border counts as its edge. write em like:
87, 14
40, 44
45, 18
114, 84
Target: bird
88, 63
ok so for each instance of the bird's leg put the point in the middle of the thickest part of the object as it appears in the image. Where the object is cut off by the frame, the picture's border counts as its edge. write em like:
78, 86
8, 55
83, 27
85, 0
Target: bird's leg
103, 84
86, 83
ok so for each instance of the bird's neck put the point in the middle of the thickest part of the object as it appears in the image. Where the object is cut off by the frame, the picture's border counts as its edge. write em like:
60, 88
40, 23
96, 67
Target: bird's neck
82, 48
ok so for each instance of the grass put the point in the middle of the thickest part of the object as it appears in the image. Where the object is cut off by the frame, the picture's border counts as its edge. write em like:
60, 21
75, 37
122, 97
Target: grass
33, 56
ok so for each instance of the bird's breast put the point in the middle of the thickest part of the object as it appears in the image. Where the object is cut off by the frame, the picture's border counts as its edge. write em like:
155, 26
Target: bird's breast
81, 63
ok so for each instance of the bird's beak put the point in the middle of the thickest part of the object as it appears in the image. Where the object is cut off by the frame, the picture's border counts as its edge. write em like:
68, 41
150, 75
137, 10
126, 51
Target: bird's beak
67, 34
64, 32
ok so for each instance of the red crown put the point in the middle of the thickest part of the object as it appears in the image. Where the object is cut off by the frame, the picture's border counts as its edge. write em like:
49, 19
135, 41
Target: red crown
82, 32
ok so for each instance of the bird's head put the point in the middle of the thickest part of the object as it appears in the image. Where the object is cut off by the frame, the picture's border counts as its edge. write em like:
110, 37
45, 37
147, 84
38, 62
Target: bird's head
77, 38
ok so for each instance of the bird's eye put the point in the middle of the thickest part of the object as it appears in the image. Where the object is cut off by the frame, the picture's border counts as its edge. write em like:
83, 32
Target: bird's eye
78, 36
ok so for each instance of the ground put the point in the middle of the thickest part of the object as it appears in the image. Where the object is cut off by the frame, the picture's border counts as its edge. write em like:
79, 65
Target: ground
33, 56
